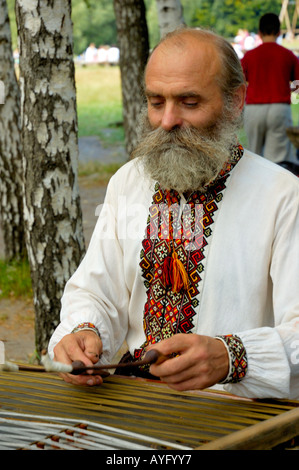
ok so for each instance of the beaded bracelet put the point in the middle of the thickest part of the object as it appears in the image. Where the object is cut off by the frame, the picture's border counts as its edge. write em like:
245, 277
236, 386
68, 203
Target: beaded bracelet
238, 358
86, 326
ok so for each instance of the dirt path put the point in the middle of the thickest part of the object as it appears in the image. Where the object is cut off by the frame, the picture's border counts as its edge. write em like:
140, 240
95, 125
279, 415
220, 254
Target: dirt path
17, 316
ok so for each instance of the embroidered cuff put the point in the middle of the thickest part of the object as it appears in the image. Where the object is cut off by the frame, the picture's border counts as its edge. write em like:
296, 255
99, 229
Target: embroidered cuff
86, 326
237, 358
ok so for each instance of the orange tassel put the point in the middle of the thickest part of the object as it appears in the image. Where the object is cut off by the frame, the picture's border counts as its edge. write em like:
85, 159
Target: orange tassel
180, 277
174, 273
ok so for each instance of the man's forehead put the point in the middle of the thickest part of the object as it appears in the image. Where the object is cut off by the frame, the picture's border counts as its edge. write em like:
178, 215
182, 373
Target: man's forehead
194, 48
189, 59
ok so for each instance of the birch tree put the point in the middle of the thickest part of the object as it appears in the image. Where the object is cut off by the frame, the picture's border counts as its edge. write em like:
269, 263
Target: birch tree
52, 208
134, 49
11, 196
170, 15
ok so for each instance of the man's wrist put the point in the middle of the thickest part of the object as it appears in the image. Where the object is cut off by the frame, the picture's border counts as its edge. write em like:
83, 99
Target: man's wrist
86, 326
238, 363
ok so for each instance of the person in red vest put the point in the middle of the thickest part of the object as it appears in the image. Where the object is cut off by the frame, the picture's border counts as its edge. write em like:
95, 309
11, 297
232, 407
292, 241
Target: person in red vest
269, 70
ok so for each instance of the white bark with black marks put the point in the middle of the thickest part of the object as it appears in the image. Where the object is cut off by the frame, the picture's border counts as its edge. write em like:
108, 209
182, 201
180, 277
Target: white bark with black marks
52, 209
11, 190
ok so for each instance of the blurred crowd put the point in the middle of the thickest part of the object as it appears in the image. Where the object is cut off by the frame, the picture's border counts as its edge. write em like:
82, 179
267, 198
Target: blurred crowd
102, 55
245, 41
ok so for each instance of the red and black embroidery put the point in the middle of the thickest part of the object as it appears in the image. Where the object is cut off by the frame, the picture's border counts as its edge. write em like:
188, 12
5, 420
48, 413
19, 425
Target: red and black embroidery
238, 358
168, 311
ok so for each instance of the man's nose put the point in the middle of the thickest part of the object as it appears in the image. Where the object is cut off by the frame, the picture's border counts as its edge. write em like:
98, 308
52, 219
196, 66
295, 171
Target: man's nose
171, 118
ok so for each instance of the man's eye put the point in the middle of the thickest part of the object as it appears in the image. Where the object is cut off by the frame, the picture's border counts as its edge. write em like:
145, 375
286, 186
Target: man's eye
191, 104
155, 104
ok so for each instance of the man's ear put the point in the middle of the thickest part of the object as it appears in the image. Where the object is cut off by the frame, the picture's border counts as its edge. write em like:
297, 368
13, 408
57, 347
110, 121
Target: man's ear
239, 98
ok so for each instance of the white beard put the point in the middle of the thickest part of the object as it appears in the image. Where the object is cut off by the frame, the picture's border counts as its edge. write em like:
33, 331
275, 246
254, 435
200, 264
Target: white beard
184, 159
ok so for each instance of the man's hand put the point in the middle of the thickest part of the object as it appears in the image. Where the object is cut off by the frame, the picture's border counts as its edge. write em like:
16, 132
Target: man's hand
85, 346
202, 361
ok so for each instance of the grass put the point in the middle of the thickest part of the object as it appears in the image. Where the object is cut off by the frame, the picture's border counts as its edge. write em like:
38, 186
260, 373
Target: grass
99, 103
15, 280
295, 113
96, 172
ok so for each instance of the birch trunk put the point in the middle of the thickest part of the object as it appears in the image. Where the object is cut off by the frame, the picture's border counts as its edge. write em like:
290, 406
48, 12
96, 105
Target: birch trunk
134, 49
53, 219
170, 15
11, 195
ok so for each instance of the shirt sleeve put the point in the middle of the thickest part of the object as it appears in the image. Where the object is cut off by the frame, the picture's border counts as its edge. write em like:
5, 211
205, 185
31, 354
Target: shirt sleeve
273, 352
97, 292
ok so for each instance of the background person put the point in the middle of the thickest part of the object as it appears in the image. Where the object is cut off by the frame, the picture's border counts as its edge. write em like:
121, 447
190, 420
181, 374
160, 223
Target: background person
269, 70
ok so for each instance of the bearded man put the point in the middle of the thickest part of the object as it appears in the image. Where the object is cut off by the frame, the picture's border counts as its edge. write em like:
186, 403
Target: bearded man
212, 283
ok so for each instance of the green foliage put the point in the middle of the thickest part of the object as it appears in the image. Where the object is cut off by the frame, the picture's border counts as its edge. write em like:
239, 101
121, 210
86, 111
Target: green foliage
223, 16
93, 21
15, 280
226, 16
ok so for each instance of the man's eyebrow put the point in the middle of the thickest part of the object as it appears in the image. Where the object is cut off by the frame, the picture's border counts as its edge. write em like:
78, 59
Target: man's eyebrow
150, 93
187, 94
